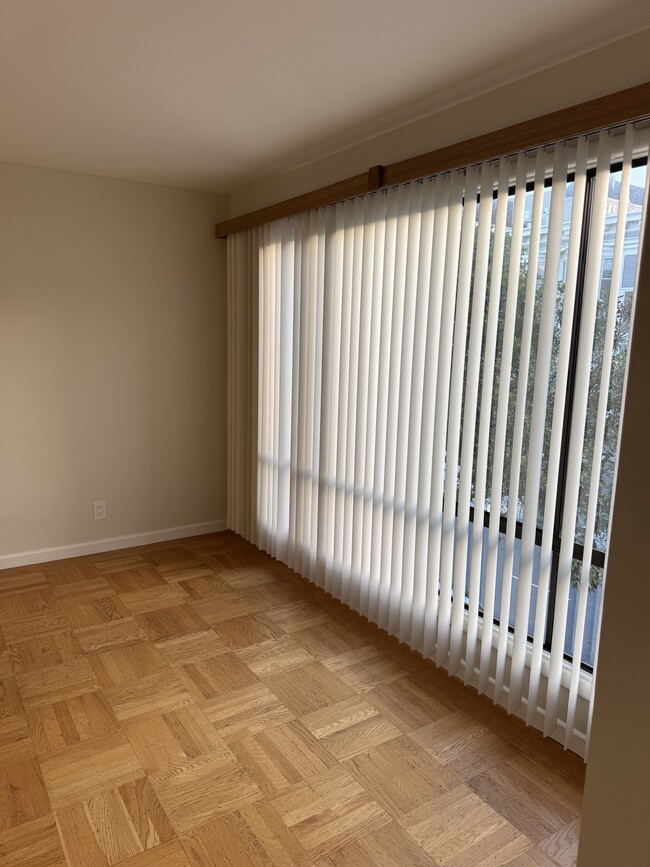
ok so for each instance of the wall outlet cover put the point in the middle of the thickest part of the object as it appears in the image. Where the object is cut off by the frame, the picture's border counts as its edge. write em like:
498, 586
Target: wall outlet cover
99, 510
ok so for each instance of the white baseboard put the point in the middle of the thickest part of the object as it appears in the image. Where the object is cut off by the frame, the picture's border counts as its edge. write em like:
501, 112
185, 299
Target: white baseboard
98, 546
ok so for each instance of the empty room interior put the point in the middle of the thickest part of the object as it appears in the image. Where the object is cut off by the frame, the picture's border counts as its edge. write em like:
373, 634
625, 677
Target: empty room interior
324, 355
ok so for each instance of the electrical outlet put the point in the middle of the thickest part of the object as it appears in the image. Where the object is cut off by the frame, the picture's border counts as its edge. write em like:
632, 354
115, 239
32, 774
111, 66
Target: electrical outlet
99, 510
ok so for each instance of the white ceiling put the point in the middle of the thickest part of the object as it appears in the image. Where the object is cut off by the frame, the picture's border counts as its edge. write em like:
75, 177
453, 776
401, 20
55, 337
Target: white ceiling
208, 93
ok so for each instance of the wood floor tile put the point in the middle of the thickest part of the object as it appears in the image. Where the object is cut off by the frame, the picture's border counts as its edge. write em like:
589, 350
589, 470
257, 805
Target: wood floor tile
406, 705
281, 756
163, 596
57, 683
199, 583
79, 772
110, 824
309, 689
457, 829
134, 580
295, 616
121, 563
22, 793
186, 649
65, 723
6, 668
350, 727
241, 632
499, 849
171, 622
229, 558
328, 639
463, 745
254, 836
534, 858
95, 612
145, 813
203, 788
275, 656
115, 634
552, 782
154, 744
270, 594
245, 712
32, 844
516, 790
44, 652
35, 625
160, 692
78, 591
559, 764
329, 812
190, 570
208, 678
124, 664
166, 556
388, 846
65, 574
562, 846
11, 704
248, 578
160, 742
224, 606
15, 740
400, 776
193, 730
169, 854
21, 579
365, 668
78, 837
14, 606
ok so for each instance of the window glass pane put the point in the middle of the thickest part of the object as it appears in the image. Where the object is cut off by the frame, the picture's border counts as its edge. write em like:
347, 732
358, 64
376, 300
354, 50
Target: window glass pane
594, 599
515, 581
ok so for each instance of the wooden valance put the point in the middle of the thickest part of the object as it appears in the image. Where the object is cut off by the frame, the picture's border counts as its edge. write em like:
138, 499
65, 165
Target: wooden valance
615, 108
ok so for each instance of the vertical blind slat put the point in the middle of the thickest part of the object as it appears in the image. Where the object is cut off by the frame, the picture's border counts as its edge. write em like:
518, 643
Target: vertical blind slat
503, 400
443, 379
406, 420
439, 226
424, 259
520, 397
538, 420
452, 458
477, 293
485, 420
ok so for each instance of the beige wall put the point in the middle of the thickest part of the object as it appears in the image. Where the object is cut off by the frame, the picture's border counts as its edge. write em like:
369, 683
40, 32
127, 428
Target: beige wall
616, 820
614, 67
112, 358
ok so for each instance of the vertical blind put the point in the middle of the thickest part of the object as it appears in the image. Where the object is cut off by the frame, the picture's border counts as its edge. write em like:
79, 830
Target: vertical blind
425, 388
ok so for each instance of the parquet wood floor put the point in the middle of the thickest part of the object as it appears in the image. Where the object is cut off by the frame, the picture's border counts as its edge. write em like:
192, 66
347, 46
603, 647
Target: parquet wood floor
195, 703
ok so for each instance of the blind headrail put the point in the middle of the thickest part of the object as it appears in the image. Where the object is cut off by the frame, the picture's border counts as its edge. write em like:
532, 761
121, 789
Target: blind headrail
626, 105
